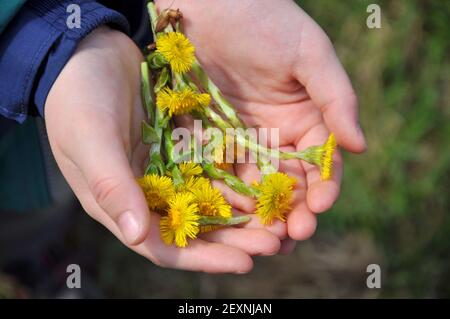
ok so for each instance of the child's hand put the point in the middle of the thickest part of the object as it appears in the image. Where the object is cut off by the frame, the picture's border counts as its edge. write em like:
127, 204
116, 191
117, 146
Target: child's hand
93, 116
278, 67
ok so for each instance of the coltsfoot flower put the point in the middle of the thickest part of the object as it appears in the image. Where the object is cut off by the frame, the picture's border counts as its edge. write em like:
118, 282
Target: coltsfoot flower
322, 156
157, 190
193, 183
182, 102
189, 169
177, 50
211, 202
181, 221
275, 197
225, 156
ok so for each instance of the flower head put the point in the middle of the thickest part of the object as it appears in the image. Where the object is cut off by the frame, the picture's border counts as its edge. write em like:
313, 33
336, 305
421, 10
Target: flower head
184, 101
177, 50
322, 156
190, 169
157, 190
226, 154
192, 183
181, 221
326, 169
275, 197
210, 202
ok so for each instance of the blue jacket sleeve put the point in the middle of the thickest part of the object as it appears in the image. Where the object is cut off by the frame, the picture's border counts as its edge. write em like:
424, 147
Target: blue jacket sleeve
36, 45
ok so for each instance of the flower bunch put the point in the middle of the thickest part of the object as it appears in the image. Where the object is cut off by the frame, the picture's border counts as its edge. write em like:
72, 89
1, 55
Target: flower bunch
176, 185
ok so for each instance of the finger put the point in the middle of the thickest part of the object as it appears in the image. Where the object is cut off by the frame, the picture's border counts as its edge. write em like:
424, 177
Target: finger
301, 222
287, 246
329, 87
278, 228
102, 160
236, 200
251, 241
248, 172
320, 195
198, 256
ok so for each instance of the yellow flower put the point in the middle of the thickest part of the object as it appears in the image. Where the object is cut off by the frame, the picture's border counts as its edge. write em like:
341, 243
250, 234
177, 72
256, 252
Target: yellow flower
181, 221
177, 103
220, 160
326, 167
322, 156
275, 197
210, 202
226, 155
193, 182
177, 50
158, 190
190, 169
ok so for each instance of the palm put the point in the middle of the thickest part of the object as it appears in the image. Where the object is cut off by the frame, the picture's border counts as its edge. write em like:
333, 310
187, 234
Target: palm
93, 117
269, 59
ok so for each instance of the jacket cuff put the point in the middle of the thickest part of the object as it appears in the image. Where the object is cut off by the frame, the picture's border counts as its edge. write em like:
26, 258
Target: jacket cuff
37, 44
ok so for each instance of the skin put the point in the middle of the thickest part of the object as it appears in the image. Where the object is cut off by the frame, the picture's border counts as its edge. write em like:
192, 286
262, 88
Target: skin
291, 80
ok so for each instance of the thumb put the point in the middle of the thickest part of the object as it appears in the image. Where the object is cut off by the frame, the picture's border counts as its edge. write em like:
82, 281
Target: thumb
329, 87
108, 174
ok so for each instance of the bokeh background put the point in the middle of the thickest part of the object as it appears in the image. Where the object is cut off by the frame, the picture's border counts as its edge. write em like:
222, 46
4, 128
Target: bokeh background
394, 209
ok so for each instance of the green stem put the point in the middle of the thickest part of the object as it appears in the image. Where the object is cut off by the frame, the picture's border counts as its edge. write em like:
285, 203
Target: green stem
155, 165
264, 165
216, 119
234, 182
225, 107
247, 143
146, 85
169, 147
153, 13
269, 152
217, 220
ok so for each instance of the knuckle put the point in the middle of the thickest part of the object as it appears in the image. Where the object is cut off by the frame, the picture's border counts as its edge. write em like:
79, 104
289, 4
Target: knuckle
104, 189
160, 262
352, 99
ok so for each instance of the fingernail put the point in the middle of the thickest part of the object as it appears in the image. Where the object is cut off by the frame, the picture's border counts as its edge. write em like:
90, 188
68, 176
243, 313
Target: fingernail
361, 133
359, 129
129, 226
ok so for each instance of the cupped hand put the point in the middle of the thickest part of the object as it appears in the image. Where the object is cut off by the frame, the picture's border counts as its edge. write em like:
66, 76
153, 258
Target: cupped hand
93, 117
278, 67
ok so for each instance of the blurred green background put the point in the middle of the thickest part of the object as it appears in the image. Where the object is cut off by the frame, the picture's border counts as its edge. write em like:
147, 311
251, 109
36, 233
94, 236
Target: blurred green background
395, 204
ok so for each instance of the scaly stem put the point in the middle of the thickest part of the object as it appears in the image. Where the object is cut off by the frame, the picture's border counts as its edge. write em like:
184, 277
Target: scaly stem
153, 17
234, 182
156, 164
225, 107
217, 220
171, 161
146, 90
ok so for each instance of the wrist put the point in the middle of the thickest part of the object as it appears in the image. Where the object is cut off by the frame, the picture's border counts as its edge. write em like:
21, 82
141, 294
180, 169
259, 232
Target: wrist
111, 45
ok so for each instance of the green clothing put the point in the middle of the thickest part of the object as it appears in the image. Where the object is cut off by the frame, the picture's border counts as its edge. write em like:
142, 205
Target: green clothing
8, 9
23, 184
